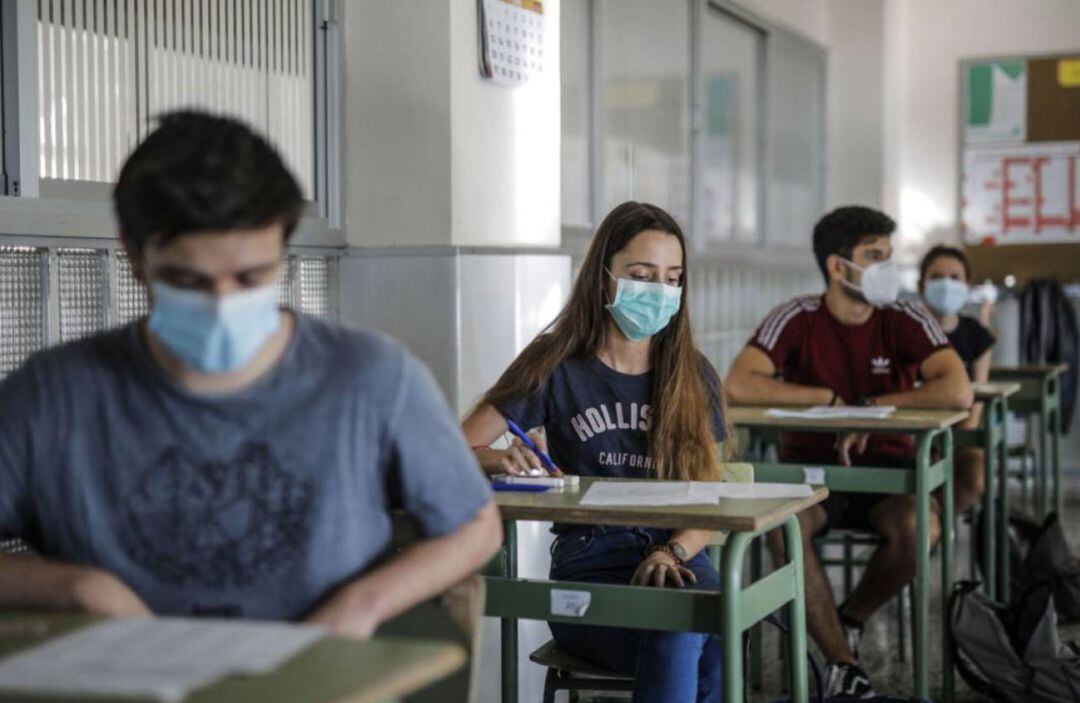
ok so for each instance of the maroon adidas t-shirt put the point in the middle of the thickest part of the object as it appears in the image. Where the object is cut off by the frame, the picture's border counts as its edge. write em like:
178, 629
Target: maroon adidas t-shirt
883, 355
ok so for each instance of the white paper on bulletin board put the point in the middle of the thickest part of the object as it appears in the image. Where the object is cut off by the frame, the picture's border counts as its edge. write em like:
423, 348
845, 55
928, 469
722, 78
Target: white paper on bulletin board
511, 40
1021, 194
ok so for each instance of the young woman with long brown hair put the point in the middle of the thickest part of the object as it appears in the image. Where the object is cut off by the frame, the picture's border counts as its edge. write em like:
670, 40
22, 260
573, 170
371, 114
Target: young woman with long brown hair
621, 391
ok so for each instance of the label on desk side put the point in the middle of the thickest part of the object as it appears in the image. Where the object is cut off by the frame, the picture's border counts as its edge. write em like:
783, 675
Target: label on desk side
814, 475
570, 604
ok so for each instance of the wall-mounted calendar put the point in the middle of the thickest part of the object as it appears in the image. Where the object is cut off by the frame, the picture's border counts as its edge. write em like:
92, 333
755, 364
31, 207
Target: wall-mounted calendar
511, 40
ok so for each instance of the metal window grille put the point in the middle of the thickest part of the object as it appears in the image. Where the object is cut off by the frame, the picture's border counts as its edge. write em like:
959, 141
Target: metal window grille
107, 68
81, 292
22, 304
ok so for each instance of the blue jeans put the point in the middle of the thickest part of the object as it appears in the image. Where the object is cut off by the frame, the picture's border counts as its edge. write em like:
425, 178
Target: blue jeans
668, 667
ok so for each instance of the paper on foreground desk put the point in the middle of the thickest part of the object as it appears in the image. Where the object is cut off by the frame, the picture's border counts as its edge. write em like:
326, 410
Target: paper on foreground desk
163, 659
659, 493
836, 412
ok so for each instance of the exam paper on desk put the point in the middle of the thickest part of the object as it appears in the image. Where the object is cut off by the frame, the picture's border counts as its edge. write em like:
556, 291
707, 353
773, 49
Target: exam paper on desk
164, 659
661, 493
836, 412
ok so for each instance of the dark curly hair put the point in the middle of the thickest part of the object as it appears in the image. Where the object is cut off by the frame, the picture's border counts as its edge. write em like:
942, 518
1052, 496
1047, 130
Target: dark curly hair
938, 252
199, 172
843, 229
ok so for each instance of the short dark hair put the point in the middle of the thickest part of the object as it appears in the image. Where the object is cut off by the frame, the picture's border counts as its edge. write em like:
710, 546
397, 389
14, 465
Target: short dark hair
938, 252
843, 229
199, 172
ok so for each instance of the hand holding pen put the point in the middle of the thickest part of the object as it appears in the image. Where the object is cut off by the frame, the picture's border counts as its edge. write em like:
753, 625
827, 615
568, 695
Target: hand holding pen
527, 455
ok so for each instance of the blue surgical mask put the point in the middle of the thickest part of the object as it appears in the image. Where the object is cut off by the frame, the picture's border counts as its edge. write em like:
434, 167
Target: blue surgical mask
214, 334
946, 295
642, 308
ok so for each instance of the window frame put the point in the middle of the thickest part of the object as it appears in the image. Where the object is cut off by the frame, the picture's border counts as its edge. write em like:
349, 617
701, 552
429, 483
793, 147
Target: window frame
766, 245
26, 213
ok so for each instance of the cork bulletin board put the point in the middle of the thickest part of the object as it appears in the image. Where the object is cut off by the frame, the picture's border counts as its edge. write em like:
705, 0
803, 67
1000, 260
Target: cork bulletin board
1020, 166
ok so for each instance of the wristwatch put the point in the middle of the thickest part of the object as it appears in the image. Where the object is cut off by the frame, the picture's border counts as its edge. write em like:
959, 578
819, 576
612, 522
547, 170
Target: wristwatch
673, 549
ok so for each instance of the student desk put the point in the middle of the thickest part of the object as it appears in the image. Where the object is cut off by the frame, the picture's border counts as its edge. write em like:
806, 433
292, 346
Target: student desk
1040, 394
332, 669
930, 473
992, 437
730, 612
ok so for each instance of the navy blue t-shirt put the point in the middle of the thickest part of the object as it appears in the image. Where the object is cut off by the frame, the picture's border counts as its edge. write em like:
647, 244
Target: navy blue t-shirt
597, 419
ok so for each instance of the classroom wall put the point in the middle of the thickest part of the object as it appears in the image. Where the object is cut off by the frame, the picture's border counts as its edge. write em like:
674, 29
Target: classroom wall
436, 155
855, 103
807, 17
504, 144
397, 123
923, 43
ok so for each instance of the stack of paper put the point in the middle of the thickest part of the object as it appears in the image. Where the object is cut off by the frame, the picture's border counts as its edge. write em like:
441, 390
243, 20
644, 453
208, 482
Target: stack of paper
661, 493
836, 412
163, 659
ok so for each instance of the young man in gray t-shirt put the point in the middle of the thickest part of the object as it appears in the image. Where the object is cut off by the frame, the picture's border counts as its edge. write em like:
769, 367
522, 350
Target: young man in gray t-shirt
224, 456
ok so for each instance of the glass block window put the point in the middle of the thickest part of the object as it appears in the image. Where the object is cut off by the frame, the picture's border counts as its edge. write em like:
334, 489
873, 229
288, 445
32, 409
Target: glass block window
58, 294
22, 304
313, 279
307, 285
81, 285
131, 300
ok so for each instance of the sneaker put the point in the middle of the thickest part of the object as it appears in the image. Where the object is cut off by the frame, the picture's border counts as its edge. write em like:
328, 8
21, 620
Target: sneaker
848, 681
853, 633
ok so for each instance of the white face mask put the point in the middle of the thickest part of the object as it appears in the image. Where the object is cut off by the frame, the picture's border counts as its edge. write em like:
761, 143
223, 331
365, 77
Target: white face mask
880, 282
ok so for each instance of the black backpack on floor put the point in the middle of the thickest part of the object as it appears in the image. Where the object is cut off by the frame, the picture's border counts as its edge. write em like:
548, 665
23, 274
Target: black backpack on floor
1039, 554
1012, 653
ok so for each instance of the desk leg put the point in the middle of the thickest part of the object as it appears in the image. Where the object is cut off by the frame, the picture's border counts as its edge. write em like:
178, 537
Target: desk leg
730, 614
1004, 565
1056, 429
796, 613
948, 547
993, 424
922, 568
1042, 481
509, 625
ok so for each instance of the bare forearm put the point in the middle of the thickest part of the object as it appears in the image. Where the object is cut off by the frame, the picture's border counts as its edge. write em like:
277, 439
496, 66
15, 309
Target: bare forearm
29, 582
424, 569
693, 541
759, 389
933, 394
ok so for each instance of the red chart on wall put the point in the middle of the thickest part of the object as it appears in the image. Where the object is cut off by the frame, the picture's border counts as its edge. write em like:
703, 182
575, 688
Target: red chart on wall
1022, 194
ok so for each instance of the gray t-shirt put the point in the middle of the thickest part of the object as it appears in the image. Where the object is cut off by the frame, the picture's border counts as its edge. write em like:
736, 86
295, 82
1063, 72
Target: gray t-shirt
256, 504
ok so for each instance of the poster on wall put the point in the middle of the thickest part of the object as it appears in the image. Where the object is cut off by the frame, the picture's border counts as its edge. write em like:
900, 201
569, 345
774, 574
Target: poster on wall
511, 41
1021, 194
995, 104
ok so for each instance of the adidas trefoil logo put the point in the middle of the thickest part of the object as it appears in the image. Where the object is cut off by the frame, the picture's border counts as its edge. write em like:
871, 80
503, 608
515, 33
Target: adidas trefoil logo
879, 365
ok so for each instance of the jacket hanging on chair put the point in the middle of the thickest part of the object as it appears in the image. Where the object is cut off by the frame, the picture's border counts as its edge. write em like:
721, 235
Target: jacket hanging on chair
1049, 334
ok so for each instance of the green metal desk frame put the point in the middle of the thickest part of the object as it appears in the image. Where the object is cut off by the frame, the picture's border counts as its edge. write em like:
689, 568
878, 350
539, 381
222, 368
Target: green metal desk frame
992, 438
920, 482
1040, 395
729, 613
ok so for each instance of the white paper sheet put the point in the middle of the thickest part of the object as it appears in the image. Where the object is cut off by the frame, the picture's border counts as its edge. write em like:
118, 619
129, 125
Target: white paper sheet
660, 493
749, 491
160, 658
834, 412
632, 493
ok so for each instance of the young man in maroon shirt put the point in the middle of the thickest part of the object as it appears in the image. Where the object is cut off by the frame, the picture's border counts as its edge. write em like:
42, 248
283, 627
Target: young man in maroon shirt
853, 345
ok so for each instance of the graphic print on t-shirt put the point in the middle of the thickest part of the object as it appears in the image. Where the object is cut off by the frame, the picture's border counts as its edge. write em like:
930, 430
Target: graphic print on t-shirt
217, 523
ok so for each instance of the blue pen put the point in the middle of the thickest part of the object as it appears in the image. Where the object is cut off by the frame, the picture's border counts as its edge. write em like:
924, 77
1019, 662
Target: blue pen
520, 434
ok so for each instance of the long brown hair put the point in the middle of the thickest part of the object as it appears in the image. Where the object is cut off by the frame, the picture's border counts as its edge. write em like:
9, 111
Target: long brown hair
681, 438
